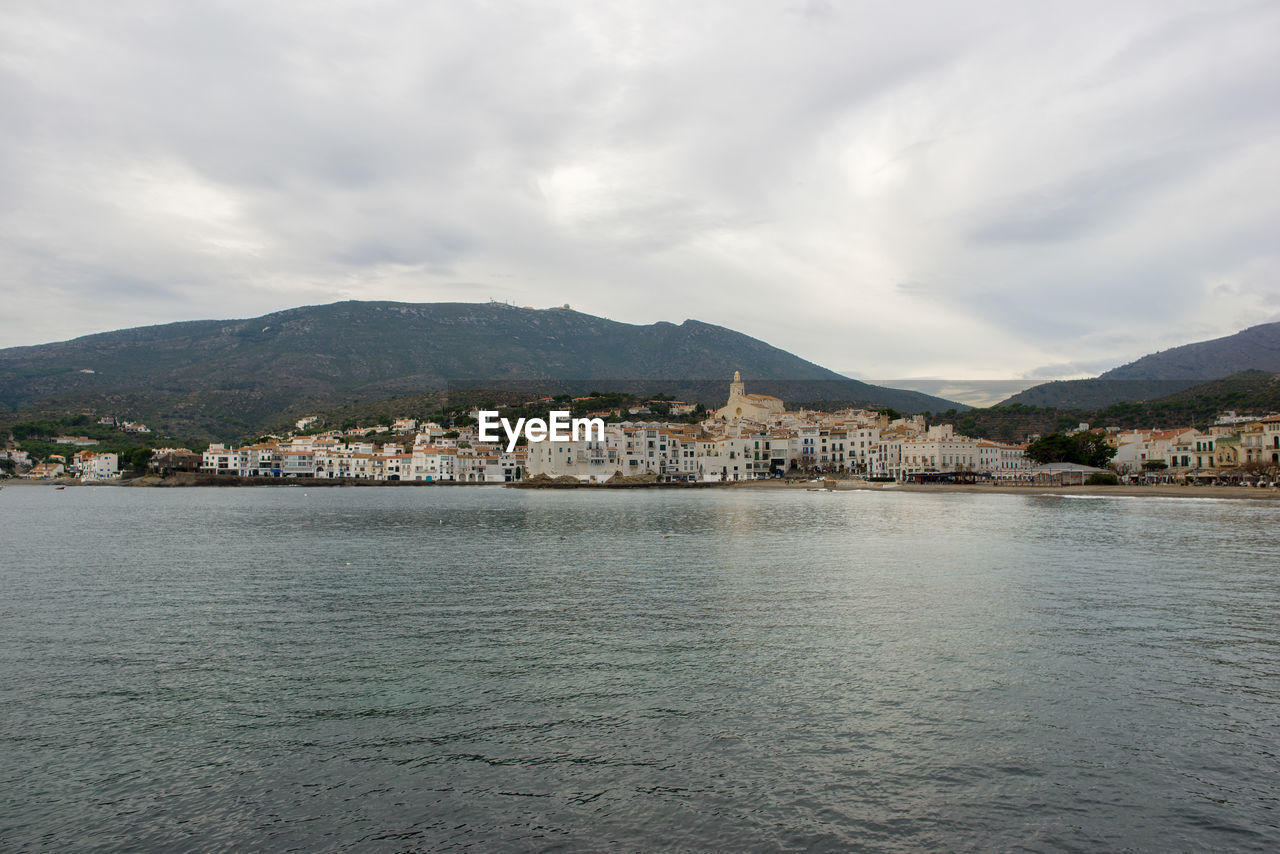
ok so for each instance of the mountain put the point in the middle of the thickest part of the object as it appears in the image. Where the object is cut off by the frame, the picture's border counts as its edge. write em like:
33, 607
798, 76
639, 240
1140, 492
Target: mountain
1256, 348
1164, 373
1255, 393
226, 378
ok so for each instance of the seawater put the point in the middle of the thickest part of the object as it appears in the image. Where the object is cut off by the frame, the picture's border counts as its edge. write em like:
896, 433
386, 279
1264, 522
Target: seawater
486, 669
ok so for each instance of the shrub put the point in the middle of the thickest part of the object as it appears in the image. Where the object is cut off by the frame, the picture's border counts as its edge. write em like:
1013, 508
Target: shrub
1102, 478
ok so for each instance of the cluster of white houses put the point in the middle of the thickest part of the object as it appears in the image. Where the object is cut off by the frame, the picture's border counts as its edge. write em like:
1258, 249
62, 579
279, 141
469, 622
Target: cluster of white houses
751, 437
431, 457
88, 466
849, 442
1231, 445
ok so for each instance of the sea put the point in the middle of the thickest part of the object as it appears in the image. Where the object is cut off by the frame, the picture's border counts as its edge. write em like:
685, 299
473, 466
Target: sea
486, 669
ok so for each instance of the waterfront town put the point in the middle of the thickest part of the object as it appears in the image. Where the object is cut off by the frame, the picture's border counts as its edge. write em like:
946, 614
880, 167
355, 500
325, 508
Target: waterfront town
752, 437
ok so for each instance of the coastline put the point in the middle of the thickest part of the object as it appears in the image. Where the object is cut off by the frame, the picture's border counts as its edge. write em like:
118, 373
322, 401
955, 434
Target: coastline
1123, 491
187, 479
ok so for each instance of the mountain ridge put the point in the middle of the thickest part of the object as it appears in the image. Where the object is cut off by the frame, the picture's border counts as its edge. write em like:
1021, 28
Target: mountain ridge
1252, 348
1165, 372
219, 376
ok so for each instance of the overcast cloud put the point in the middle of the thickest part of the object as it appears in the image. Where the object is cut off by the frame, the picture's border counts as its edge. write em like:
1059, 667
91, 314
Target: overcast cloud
965, 190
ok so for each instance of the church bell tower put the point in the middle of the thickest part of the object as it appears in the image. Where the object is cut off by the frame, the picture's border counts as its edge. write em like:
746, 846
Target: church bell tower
735, 387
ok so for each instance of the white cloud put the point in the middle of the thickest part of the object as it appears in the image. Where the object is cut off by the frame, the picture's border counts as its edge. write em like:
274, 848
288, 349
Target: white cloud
927, 190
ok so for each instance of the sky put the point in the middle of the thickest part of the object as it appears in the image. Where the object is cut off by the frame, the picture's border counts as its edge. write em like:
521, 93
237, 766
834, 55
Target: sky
939, 190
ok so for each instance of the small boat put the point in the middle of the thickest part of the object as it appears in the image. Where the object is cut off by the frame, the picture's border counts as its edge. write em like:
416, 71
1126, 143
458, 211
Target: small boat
59, 487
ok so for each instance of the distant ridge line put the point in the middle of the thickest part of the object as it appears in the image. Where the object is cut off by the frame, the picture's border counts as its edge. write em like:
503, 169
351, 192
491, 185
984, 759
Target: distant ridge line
232, 377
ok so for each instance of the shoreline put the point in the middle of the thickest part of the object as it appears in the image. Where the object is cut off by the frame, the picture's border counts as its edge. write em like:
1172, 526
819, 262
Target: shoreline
1121, 491
189, 479
1237, 493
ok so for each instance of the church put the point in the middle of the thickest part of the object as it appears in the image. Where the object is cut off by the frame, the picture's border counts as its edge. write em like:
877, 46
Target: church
760, 408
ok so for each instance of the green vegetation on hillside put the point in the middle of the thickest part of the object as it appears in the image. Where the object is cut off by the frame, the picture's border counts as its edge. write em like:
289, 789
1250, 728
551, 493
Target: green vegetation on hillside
36, 437
1256, 392
1255, 348
223, 379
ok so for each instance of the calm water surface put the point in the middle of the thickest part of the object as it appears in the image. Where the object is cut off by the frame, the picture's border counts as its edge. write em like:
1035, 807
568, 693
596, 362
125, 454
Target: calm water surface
487, 669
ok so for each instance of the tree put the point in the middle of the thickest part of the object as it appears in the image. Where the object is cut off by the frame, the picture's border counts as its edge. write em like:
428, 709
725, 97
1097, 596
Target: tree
1086, 449
1053, 448
137, 458
1094, 450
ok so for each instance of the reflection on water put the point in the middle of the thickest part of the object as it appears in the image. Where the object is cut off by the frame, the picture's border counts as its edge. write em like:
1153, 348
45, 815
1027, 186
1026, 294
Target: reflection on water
425, 669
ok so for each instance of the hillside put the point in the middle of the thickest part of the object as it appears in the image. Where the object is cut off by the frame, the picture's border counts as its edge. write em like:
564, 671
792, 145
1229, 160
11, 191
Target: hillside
1164, 373
1252, 392
1256, 348
226, 378
1095, 393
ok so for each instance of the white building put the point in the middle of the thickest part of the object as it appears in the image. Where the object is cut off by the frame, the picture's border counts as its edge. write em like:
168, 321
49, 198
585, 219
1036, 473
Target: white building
433, 463
21, 458
1013, 461
860, 442
939, 450
1271, 440
97, 467
46, 470
587, 460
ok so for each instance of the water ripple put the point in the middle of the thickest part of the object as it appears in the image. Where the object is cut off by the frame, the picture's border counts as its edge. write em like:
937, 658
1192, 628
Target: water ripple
454, 670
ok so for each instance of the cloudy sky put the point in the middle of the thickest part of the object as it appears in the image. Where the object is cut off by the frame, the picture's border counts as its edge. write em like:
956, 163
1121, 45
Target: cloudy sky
985, 190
